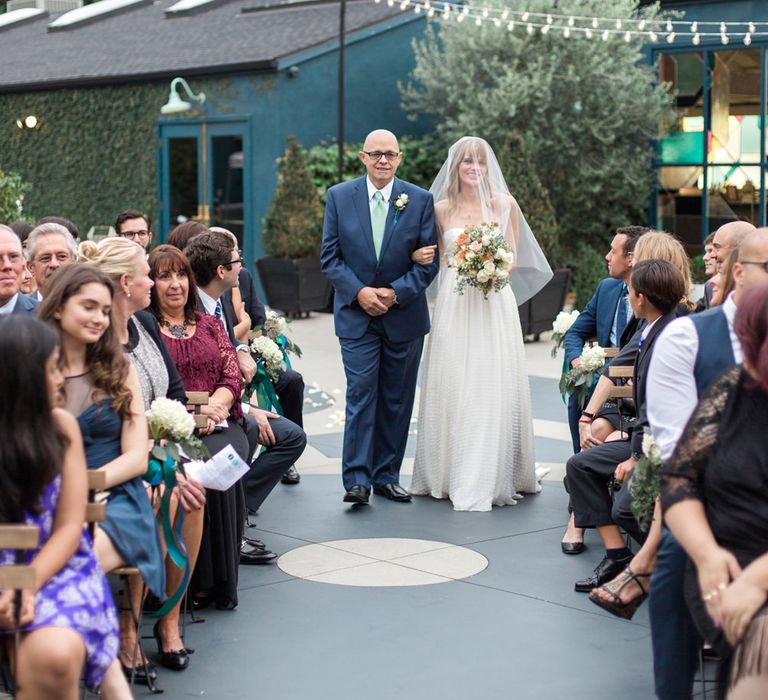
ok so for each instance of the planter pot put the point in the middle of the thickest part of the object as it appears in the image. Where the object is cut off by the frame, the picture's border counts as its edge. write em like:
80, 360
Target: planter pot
537, 314
294, 286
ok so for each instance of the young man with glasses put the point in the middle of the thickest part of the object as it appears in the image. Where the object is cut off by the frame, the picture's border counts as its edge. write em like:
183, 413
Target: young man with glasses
136, 226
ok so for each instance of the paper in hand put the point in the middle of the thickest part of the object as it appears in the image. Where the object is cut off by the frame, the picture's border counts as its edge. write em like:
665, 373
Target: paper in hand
219, 472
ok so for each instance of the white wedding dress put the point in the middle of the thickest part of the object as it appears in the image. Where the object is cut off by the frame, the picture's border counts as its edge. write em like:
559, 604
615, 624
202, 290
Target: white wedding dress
475, 431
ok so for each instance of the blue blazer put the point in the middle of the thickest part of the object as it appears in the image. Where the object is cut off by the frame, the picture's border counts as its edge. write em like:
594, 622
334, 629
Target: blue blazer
348, 258
596, 320
25, 306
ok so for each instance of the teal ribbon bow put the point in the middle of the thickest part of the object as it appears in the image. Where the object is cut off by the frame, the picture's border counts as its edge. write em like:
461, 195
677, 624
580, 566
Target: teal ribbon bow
261, 385
282, 343
164, 472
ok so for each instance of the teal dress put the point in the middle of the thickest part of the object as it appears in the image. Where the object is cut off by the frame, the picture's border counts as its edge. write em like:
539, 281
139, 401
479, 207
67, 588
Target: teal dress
130, 523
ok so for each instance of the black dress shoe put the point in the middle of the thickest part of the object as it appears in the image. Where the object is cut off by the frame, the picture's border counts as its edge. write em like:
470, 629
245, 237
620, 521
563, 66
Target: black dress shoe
394, 492
606, 570
257, 544
357, 494
291, 476
572, 547
255, 555
175, 660
142, 675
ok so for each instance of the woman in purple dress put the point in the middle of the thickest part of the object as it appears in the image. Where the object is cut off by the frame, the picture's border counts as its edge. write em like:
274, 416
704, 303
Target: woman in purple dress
68, 618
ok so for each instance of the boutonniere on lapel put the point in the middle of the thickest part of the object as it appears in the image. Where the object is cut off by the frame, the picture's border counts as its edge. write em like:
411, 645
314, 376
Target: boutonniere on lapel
400, 203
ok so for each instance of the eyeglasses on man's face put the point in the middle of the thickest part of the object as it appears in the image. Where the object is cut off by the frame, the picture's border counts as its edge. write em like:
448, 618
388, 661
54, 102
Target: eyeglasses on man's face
237, 261
377, 155
763, 264
133, 235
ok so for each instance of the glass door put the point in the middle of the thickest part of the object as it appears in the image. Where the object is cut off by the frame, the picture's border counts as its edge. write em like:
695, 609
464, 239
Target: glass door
204, 176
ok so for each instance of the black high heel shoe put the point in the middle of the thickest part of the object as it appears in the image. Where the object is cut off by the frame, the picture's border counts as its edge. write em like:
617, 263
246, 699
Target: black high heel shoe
175, 660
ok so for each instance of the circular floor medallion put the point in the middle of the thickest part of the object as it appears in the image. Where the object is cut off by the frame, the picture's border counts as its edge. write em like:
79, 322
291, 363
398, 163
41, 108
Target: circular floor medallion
382, 561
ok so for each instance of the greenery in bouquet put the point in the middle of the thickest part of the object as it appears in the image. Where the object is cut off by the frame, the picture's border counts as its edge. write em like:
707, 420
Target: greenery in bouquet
560, 326
172, 428
482, 259
579, 381
646, 481
274, 328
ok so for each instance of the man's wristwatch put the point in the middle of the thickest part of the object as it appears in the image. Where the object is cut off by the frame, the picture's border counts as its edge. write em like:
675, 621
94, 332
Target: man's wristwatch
394, 298
242, 347
588, 414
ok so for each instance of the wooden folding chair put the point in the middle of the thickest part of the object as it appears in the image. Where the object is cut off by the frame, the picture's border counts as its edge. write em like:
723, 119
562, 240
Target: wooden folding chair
16, 577
198, 399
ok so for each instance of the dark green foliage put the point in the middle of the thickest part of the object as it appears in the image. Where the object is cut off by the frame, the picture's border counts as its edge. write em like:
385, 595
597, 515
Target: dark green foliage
697, 270
12, 192
531, 195
589, 267
293, 226
645, 487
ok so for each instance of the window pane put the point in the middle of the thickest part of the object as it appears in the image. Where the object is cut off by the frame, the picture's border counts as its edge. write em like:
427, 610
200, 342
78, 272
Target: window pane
228, 184
684, 75
734, 193
679, 204
182, 156
735, 107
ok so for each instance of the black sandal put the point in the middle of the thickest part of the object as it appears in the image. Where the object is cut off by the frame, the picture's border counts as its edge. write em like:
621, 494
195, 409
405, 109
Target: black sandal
616, 607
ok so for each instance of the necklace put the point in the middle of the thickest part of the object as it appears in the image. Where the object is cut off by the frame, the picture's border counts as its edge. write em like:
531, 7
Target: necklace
177, 331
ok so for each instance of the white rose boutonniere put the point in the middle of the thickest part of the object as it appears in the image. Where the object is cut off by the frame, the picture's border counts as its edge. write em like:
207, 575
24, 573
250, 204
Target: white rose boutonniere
400, 203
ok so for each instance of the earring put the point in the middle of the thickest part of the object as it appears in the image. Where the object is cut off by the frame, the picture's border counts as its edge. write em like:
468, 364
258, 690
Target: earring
128, 294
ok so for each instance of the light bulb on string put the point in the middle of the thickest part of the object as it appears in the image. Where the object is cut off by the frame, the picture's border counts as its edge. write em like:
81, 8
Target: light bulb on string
526, 15
641, 26
628, 36
549, 19
594, 22
567, 32
390, 2
478, 22
431, 12
605, 35
545, 29
588, 33
511, 25
618, 24
694, 28
417, 9
653, 37
529, 29
752, 28
669, 26
671, 38
696, 39
724, 38
504, 15
497, 22
460, 18
571, 21
747, 39
723, 29
403, 5
485, 14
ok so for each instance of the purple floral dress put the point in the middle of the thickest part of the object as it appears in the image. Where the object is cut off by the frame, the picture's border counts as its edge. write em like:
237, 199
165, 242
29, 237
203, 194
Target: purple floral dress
77, 597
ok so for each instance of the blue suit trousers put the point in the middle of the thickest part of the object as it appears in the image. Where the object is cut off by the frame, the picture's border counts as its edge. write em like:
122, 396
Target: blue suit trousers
381, 385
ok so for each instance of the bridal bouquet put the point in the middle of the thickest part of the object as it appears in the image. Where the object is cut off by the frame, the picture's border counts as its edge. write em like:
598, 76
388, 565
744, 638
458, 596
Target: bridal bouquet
579, 380
482, 259
646, 481
274, 328
560, 326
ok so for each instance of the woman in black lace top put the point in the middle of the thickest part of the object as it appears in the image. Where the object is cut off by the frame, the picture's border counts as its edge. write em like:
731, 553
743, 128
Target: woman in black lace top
715, 500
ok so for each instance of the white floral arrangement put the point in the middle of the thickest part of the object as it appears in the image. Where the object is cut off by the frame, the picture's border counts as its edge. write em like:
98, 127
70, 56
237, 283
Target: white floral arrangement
646, 481
560, 326
482, 259
169, 420
578, 381
266, 350
274, 328
401, 202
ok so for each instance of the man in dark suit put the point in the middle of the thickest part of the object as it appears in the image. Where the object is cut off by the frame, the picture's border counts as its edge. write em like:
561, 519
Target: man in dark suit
656, 288
372, 226
215, 263
12, 301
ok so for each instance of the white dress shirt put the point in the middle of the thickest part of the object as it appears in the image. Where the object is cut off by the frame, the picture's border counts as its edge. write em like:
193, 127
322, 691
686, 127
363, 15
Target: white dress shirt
386, 192
671, 387
9, 306
209, 304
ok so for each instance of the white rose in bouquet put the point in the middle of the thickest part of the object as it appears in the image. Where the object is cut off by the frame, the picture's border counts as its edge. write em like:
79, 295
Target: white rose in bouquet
483, 276
593, 358
502, 273
563, 321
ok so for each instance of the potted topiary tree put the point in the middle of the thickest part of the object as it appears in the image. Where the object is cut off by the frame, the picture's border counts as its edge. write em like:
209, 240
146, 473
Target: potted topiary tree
292, 234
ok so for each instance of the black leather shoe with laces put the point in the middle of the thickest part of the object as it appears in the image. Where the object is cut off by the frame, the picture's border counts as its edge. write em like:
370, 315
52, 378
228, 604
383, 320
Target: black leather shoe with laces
606, 570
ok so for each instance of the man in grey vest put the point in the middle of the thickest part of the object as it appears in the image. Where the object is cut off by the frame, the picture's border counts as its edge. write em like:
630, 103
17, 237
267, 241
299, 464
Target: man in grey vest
690, 354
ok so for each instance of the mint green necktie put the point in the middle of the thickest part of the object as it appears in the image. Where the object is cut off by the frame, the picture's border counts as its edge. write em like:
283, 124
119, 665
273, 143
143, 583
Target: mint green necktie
378, 220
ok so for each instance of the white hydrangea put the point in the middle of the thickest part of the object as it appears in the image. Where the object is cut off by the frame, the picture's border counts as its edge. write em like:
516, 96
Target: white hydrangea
169, 419
275, 324
267, 349
593, 358
650, 448
563, 321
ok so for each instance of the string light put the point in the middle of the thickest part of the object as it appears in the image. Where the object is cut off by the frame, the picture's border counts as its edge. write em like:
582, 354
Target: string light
669, 26
545, 29
511, 25
549, 19
529, 29
594, 22
485, 14
628, 36
526, 15
641, 25
653, 37
478, 22
588, 33
504, 15
567, 32
723, 28
752, 28
497, 22
417, 10
671, 38
618, 24
460, 18
696, 39
571, 21
606, 35
724, 38
747, 39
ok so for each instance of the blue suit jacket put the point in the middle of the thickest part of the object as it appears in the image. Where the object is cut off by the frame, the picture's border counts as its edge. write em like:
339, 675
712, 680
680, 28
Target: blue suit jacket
348, 258
25, 306
595, 320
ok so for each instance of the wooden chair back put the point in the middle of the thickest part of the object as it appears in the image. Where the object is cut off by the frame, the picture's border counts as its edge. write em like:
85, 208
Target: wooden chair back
197, 399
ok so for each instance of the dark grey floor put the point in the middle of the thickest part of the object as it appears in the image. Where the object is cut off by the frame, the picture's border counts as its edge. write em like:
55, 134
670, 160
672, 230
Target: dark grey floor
516, 630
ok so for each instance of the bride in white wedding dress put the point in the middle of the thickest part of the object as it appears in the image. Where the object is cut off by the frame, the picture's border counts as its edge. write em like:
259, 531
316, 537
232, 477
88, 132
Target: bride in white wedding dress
475, 430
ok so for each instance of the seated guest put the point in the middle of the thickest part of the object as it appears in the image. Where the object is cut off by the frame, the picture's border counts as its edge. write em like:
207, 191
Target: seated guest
215, 263
125, 263
26, 282
690, 354
206, 361
603, 419
12, 267
715, 503
103, 391
49, 246
289, 386
656, 288
44, 485
135, 226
